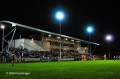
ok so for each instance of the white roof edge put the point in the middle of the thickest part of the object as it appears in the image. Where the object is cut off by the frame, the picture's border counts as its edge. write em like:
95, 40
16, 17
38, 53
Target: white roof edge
28, 27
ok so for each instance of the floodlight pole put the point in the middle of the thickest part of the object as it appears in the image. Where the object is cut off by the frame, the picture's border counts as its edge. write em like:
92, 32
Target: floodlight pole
90, 44
60, 37
108, 50
109, 38
59, 15
3, 40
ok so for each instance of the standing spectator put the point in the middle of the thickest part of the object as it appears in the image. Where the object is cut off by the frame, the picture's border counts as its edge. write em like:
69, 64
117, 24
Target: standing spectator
58, 58
119, 57
114, 57
82, 57
93, 57
0, 56
104, 56
4, 56
22, 56
12, 54
12, 58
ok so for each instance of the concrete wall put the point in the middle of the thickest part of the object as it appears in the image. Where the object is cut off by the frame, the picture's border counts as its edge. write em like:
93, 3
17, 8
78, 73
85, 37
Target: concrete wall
46, 45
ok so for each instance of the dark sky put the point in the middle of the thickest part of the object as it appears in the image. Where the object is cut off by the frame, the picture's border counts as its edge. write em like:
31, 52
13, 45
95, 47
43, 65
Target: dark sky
103, 14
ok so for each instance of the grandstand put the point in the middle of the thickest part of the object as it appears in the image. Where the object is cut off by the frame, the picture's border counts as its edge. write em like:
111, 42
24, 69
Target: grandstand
22, 37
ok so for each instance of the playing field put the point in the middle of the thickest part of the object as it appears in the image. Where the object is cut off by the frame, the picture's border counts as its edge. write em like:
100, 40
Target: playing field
101, 69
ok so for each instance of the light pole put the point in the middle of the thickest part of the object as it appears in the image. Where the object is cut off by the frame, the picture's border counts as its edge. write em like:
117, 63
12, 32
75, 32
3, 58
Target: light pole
90, 29
59, 16
2, 27
109, 38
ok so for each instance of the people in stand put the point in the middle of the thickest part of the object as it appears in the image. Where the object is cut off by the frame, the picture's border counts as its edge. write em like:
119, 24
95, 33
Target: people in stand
54, 55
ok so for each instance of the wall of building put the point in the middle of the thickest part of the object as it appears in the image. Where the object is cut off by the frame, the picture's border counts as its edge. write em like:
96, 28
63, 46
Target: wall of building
33, 45
28, 44
17, 43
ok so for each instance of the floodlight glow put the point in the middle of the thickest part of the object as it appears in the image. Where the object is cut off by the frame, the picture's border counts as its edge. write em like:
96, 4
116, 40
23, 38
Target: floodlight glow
58, 37
59, 15
72, 40
90, 29
109, 37
49, 35
66, 39
2, 26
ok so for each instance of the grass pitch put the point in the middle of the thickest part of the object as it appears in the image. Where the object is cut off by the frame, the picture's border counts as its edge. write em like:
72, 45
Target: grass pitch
99, 69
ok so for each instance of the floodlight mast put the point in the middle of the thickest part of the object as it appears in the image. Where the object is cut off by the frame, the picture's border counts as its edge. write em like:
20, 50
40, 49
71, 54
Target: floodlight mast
2, 27
3, 36
109, 38
60, 16
90, 29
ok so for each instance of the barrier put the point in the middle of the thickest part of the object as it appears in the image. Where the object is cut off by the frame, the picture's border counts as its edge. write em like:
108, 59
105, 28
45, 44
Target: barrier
31, 59
67, 59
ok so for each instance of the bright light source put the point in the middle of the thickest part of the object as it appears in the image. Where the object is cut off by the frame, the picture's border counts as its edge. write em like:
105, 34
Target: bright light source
72, 40
90, 29
58, 37
59, 15
109, 37
49, 35
66, 39
2, 26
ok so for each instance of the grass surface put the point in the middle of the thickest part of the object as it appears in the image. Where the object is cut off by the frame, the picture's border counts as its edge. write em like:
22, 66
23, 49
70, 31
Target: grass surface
100, 69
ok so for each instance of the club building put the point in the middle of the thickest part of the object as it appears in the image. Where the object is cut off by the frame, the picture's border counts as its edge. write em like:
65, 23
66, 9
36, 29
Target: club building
22, 36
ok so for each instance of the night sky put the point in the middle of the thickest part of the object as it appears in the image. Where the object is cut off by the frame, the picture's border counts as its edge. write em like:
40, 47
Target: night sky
103, 14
